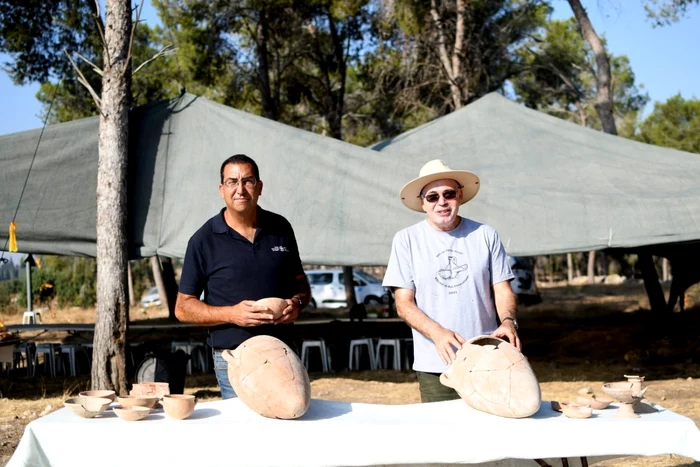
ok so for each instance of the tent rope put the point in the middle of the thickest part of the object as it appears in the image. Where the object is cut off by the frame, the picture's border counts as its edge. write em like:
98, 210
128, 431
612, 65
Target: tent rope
36, 150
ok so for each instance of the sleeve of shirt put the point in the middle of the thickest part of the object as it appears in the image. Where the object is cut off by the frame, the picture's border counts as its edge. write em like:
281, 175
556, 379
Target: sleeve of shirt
399, 271
193, 277
500, 269
295, 266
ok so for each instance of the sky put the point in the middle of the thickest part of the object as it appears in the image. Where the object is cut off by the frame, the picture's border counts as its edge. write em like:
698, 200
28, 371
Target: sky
665, 60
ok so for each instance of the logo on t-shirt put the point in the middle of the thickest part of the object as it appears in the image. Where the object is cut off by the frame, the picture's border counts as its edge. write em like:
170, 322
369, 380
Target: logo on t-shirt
451, 273
280, 248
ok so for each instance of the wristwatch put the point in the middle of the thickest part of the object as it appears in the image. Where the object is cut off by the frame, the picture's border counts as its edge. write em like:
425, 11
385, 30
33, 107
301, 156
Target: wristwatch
515, 321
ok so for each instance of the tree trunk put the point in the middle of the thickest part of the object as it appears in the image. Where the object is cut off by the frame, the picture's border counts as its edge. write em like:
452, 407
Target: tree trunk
657, 301
569, 267
604, 102
591, 267
170, 284
452, 63
132, 298
109, 363
158, 278
269, 104
351, 299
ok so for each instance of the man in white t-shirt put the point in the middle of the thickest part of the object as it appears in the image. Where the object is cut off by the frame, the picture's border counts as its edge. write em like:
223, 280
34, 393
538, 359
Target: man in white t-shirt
450, 276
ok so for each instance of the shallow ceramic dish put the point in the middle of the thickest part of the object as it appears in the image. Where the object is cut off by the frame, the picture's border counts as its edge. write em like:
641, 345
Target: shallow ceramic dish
111, 395
87, 407
141, 401
131, 414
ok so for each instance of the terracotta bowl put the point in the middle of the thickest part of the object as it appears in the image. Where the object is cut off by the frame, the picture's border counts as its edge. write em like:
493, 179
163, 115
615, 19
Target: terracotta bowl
593, 402
275, 305
178, 406
131, 414
572, 410
86, 406
111, 395
141, 401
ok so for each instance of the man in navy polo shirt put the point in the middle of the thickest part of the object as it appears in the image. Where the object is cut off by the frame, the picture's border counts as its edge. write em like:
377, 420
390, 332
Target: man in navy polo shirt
241, 255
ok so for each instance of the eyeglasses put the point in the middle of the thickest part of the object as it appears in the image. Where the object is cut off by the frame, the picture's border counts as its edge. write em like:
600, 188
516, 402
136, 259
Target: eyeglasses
433, 197
247, 182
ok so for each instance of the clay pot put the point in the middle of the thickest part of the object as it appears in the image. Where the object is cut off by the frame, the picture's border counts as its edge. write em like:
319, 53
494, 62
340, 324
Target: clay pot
593, 402
178, 406
491, 375
150, 389
111, 395
275, 305
87, 406
572, 410
624, 392
269, 378
141, 401
131, 414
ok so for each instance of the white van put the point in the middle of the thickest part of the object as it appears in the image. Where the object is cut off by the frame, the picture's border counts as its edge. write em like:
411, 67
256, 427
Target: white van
328, 288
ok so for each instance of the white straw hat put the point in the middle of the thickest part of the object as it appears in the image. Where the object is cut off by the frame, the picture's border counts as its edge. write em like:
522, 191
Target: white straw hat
437, 170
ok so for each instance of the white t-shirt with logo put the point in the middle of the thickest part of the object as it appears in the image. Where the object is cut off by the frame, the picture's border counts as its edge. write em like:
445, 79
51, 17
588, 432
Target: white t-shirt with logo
452, 274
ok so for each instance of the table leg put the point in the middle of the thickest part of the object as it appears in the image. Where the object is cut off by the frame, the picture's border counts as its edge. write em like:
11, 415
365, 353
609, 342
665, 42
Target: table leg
542, 463
584, 462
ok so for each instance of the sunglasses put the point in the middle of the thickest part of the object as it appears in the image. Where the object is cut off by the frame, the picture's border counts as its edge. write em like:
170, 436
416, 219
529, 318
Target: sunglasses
433, 197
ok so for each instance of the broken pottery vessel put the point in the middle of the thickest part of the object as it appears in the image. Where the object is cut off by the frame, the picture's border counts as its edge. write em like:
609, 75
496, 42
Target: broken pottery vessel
593, 402
150, 389
275, 305
492, 376
269, 377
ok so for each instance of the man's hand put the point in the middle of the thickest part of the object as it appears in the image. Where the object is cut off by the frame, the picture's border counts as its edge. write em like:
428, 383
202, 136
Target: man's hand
507, 331
289, 314
246, 315
445, 342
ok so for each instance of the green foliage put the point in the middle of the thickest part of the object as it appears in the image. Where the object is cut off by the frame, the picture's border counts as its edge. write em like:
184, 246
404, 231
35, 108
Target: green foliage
558, 77
673, 124
665, 12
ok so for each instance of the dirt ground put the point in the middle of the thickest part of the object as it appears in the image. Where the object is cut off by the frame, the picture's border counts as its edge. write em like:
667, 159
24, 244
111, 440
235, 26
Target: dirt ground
579, 336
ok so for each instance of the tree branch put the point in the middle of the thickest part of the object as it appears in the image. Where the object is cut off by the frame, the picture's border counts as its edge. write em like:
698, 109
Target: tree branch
167, 50
133, 31
95, 68
82, 80
100, 29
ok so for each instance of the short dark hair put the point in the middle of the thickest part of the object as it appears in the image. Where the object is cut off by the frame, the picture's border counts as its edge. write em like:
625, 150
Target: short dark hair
240, 159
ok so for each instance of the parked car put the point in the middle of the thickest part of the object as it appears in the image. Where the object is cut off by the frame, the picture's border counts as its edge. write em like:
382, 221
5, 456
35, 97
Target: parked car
524, 285
151, 298
328, 288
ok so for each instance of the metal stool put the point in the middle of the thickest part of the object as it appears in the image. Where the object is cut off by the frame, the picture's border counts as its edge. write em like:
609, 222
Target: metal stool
24, 353
325, 353
71, 349
396, 364
407, 352
31, 317
356, 351
189, 348
49, 351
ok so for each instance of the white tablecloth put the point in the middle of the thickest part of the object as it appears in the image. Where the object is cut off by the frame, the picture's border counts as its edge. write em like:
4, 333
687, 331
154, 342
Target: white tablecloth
336, 433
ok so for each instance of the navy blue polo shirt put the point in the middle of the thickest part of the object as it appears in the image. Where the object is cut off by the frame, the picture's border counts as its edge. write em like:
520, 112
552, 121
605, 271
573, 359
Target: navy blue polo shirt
228, 268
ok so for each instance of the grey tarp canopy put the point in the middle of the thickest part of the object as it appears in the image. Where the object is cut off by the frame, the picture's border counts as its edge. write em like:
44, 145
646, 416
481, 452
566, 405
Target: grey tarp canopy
550, 186
547, 185
336, 195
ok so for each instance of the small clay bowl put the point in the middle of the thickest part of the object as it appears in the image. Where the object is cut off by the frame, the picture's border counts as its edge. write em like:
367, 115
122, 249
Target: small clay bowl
86, 406
141, 401
178, 406
593, 402
111, 395
131, 414
572, 410
275, 305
